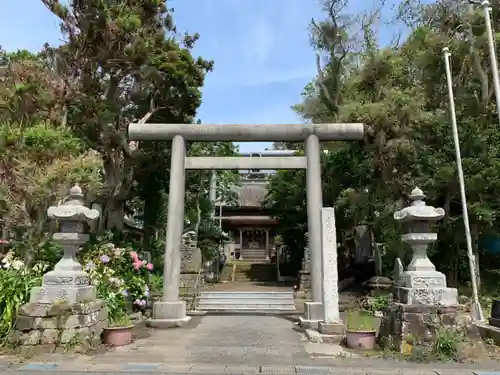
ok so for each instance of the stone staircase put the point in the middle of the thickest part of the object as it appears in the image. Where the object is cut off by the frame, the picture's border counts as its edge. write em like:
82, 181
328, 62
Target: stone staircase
254, 255
261, 302
262, 272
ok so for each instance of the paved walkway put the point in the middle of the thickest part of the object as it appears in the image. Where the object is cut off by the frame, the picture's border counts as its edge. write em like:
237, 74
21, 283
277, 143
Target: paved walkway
234, 344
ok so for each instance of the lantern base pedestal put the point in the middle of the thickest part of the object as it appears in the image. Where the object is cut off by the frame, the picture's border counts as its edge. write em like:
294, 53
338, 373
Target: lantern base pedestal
426, 296
69, 286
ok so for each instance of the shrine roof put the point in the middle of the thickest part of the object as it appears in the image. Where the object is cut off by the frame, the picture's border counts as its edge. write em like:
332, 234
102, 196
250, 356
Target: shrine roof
251, 194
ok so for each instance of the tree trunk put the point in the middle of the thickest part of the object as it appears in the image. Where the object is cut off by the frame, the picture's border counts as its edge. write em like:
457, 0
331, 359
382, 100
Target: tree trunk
152, 205
114, 212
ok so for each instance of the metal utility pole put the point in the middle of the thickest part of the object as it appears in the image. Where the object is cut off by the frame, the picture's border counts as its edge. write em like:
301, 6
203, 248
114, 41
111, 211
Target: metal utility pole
477, 312
492, 50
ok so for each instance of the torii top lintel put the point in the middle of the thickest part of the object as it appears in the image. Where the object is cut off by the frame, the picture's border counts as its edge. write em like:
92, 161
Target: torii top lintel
245, 133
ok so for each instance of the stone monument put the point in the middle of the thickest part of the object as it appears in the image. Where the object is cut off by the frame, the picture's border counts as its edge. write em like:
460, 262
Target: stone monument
331, 324
65, 306
421, 293
363, 244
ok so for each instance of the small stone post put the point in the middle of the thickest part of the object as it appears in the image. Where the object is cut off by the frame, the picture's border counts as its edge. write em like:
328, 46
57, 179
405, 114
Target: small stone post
68, 281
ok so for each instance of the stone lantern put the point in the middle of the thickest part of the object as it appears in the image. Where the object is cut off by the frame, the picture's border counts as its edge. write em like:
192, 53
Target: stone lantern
421, 284
68, 281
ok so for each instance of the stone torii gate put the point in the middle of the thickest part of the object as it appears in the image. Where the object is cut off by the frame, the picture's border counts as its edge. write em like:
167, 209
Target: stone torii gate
171, 311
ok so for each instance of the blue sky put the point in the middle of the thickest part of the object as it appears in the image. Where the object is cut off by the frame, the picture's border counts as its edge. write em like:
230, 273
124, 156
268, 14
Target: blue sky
260, 47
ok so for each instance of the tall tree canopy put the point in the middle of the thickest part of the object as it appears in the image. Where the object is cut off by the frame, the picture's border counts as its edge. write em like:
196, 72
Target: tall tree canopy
400, 93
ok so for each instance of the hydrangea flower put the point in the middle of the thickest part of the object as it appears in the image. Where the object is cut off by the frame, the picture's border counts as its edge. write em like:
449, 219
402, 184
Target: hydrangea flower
104, 258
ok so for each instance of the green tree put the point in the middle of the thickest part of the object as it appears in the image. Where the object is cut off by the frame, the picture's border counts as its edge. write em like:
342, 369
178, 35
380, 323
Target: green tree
124, 62
401, 95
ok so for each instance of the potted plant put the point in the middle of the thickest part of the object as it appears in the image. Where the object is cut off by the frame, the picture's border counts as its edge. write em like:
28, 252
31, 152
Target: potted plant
360, 332
119, 332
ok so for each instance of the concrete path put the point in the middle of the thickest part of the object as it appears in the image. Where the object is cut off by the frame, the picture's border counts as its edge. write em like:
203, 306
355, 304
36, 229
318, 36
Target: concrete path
233, 344
225, 339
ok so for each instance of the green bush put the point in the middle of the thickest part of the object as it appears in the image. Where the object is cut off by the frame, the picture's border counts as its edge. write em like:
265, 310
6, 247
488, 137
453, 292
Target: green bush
15, 290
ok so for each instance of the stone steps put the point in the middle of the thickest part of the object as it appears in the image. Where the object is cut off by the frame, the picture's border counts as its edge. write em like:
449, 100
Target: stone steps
247, 301
257, 255
255, 272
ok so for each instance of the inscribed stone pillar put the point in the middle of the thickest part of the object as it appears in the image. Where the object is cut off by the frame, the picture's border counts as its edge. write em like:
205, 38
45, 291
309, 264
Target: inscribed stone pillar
331, 323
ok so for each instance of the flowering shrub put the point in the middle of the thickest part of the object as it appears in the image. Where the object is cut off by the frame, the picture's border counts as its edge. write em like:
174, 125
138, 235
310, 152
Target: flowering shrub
16, 282
119, 275
12, 262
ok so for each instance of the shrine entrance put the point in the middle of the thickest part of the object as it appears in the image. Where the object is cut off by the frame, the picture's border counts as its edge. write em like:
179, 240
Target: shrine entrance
171, 309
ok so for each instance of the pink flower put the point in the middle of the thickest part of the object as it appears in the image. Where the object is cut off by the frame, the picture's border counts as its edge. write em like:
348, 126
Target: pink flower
137, 265
133, 255
149, 266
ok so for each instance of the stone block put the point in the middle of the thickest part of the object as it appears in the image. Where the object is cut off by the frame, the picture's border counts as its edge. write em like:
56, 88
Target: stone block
75, 335
313, 314
191, 259
88, 307
332, 328
24, 323
49, 336
14, 337
169, 314
313, 311
30, 338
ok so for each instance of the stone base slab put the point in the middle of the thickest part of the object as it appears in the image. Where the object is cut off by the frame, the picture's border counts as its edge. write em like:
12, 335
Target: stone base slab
309, 324
317, 337
169, 314
313, 311
333, 328
167, 323
313, 314
426, 296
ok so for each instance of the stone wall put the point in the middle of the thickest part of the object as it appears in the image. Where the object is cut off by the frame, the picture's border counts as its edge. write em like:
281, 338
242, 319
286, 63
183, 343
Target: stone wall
405, 323
59, 324
187, 288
